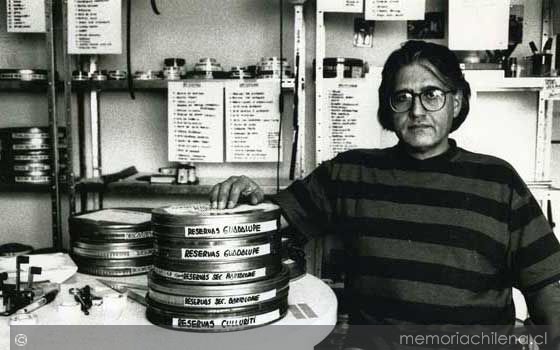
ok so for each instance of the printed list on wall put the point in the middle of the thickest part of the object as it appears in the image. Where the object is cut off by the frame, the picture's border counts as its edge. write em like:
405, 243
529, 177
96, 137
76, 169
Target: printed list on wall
394, 10
351, 105
25, 16
210, 119
350, 6
195, 122
252, 121
94, 27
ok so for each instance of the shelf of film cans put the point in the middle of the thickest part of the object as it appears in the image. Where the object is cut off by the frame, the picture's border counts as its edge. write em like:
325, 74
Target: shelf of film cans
136, 185
24, 188
29, 187
149, 85
25, 86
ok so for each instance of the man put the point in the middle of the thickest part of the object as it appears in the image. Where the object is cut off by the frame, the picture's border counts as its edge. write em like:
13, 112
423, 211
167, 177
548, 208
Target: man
435, 234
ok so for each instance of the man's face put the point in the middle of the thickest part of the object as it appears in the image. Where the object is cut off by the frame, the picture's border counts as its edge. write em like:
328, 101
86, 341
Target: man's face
424, 133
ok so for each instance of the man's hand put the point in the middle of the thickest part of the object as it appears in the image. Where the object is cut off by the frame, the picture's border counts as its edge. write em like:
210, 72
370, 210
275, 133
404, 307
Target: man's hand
226, 194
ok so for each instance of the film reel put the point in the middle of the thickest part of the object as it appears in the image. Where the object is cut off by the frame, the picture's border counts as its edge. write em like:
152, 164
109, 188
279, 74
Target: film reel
215, 297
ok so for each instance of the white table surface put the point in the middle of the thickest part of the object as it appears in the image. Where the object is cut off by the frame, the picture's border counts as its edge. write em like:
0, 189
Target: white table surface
307, 290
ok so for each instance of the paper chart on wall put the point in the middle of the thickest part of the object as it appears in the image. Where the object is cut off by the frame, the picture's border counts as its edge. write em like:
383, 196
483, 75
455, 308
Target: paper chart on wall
351, 107
478, 24
394, 10
252, 121
551, 90
26, 16
195, 122
348, 6
94, 27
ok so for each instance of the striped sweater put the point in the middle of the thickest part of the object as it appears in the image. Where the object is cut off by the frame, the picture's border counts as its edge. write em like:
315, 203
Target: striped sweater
435, 241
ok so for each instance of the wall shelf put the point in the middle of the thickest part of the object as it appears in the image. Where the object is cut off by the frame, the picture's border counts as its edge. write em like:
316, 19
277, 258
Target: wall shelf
25, 86
151, 85
134, 186
485, 84
24, 188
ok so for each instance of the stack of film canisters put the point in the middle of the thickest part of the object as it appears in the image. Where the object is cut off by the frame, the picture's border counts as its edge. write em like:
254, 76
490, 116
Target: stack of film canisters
26, 153
112, 242
293, 254
341, 67
217, 270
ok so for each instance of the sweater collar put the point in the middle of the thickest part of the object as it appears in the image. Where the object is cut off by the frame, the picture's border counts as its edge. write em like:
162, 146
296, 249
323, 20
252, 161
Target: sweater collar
448, 155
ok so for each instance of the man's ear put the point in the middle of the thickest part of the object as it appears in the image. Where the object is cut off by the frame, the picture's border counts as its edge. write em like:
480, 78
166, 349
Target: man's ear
457, 103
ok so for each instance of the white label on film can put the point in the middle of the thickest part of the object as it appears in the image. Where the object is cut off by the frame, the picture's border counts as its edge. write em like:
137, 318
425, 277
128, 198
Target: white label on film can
25, 135
214, 276
230, 253
114, 254
238, 300
141, 269
138, 235
30, 146
229, 322
230, 230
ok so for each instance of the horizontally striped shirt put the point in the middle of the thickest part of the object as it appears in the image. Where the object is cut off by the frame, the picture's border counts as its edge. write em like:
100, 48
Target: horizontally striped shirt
435, 241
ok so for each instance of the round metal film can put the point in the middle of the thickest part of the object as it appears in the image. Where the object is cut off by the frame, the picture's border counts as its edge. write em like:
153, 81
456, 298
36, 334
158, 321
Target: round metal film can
218, 273
194, 251
112, 225
223, 320
201, 221
340, 67
113, 250
116, 267
218, 296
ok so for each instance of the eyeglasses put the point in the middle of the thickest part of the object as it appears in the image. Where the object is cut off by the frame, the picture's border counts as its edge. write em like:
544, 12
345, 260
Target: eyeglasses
432, 99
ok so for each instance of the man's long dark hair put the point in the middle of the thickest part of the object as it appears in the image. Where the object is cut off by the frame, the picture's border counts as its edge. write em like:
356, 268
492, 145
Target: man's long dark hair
447, 69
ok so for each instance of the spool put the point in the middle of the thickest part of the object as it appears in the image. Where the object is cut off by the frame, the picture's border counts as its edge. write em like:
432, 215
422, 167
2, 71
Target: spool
218, 274
37, 178
172, 73
148, 75
208, 68
185, 297
341, 67
26, 155
112, 225
223, 320
32, 132
23, 74
117, 75
113, 250
99, 75
31, 167
270, 68
217, 251
174, 68
10, 74
238, 72
113, 268
112, 242
36, 156
32, 74
79, 75
201, 221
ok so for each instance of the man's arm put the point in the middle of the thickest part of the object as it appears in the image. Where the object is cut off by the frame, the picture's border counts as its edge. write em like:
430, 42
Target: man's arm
544, 308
